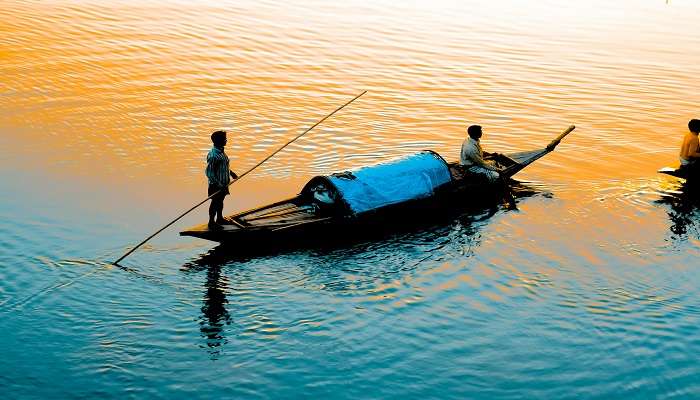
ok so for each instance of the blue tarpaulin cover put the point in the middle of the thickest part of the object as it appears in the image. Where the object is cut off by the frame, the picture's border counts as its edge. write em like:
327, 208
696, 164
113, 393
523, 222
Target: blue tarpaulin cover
408, 178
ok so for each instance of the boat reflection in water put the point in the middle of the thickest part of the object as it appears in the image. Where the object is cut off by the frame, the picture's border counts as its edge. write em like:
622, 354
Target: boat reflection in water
386, 254
684, 211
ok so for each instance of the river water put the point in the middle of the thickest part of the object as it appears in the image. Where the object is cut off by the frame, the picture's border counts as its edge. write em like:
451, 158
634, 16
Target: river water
588, 290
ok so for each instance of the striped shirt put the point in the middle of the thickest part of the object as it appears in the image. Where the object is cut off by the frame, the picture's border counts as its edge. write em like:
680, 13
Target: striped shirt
217, 168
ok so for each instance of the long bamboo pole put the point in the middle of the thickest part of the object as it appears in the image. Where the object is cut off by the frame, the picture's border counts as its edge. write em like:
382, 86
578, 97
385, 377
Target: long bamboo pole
236, 180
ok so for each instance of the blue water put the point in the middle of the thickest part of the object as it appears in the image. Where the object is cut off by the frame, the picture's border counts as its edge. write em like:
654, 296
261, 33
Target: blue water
501, 305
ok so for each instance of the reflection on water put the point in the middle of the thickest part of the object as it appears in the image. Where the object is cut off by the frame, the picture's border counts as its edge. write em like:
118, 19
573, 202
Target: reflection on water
351, 266
214, 314
684, 212
589, 290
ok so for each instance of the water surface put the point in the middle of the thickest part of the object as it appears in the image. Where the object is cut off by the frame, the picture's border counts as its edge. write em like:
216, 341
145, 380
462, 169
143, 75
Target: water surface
587, 291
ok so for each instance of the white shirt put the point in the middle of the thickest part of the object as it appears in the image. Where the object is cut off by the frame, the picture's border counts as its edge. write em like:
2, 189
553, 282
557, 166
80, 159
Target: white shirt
471, 153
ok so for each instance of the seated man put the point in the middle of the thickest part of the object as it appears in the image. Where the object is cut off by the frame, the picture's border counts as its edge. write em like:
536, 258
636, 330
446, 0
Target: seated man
472, 157
690, 149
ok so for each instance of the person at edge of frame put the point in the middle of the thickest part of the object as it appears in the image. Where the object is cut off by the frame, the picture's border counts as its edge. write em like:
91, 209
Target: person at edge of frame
690, 149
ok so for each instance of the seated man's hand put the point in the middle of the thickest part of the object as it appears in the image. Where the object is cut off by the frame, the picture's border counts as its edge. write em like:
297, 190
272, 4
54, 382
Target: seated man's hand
233, 175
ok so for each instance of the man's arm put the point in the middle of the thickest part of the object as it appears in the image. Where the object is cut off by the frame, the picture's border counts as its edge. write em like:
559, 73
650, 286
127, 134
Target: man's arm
233, 174
694, 146
489, 166
478, 160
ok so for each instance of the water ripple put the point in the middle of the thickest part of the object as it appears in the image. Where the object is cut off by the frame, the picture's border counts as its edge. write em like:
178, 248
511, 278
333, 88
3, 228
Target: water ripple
587, 291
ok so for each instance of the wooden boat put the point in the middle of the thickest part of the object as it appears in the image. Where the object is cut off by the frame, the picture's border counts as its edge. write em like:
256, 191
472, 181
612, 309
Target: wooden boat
417, 187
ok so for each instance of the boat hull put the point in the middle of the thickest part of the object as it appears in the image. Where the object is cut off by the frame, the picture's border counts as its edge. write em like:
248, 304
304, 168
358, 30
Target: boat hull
683, 173
444, 206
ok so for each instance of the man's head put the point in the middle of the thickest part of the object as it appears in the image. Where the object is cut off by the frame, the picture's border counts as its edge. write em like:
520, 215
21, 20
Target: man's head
694, 125
474, 131
219, 138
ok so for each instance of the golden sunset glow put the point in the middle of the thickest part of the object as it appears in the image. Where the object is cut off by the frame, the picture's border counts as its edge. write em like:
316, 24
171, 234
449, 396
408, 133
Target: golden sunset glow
577, 279
139, 88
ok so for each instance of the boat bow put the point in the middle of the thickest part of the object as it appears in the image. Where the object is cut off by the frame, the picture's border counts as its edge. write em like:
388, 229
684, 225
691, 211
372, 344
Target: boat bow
525, 158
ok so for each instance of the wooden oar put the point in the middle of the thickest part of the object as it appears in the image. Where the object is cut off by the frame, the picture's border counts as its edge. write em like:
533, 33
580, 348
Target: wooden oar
236, 180
510, 171
556, 141
513, 169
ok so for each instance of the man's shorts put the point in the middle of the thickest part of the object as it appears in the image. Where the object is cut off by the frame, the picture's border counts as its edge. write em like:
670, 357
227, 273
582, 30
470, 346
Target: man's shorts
490, 175
213, 189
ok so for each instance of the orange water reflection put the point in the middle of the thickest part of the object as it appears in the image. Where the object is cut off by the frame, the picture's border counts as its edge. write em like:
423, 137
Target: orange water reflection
123, 96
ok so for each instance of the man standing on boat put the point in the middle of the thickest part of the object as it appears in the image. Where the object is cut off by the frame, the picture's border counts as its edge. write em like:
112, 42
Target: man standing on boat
690, 149
472, 156
219, 176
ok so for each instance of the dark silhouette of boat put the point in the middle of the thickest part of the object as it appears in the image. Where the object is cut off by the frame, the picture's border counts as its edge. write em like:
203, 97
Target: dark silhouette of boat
688, 173
419, 187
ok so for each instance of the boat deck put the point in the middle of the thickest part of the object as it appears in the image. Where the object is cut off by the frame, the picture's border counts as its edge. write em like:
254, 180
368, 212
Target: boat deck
278, 215
275, 216
677, 172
